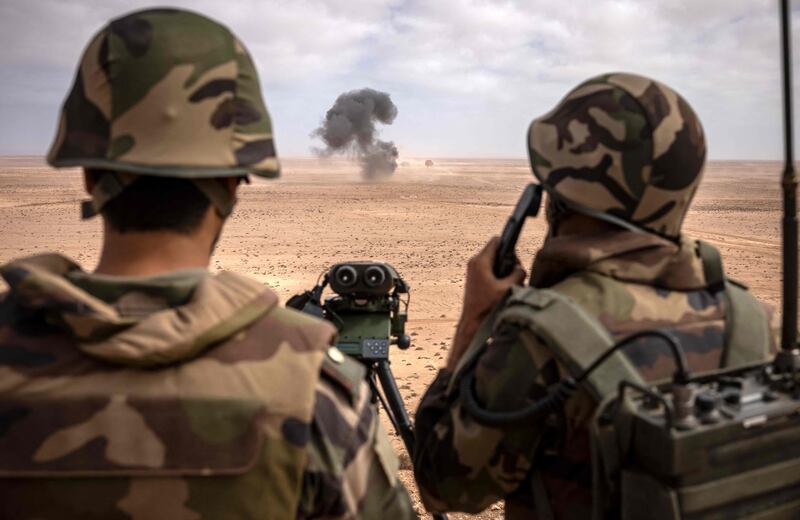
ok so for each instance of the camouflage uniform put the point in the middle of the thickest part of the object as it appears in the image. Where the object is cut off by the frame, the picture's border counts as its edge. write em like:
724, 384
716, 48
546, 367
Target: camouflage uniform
179, 396
183, 395
628, 150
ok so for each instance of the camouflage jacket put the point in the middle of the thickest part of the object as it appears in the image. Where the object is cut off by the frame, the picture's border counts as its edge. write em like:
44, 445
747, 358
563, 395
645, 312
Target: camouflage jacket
629, 281
179, 396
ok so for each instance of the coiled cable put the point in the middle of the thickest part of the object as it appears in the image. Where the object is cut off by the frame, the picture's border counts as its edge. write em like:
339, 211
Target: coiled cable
565, 388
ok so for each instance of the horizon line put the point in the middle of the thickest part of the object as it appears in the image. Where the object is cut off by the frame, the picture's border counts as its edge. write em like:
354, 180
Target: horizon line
422, 157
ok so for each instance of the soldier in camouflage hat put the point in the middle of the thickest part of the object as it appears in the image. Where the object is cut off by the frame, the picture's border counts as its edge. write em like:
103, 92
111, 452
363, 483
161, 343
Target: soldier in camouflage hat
620, 158
624, 149
151, 388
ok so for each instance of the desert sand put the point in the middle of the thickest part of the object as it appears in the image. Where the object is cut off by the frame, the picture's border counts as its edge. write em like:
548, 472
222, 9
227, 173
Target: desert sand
426, 221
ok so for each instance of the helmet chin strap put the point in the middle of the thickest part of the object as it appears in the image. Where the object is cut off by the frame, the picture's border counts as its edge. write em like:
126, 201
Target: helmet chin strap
109, 185
113, 183
218, 194
554, 212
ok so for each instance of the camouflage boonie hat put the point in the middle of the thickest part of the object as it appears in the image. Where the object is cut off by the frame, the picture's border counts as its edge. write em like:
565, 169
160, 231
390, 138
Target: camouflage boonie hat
166, 92
622, 148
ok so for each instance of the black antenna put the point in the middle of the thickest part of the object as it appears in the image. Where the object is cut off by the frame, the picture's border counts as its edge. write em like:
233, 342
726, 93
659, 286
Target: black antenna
788, 359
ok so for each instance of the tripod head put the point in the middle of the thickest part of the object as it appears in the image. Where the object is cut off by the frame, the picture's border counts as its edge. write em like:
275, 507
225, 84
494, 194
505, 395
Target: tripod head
366, 308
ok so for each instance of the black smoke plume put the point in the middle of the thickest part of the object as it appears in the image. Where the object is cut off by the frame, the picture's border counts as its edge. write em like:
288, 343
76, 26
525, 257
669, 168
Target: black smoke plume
349, 128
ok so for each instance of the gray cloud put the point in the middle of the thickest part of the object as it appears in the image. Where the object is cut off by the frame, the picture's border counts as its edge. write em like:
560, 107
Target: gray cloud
349, 128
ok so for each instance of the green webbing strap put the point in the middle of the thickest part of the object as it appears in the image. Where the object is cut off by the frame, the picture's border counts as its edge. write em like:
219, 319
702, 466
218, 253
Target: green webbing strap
746, 327
574, 336
107, 187
218, 194
477, 343
712, 266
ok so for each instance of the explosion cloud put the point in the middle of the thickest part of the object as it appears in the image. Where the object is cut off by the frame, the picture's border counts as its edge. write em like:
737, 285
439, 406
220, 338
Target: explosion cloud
349, 128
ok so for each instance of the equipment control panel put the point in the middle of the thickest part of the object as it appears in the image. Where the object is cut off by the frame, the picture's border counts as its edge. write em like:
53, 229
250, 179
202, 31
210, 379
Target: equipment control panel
372, 348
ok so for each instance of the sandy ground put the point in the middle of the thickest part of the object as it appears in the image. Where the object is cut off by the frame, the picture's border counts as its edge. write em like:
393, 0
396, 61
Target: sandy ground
426, 222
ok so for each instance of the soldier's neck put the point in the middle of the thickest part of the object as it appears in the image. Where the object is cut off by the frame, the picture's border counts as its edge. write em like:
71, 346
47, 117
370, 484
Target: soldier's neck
153, 253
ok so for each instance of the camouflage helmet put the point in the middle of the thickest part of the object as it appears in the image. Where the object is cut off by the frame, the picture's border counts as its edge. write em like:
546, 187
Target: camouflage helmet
622, 148
165, 92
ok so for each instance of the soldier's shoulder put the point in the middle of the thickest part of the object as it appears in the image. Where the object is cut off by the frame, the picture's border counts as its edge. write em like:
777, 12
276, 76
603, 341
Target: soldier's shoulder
298, 318
314, 332
10, 313
581, 284
592, 291
342, 415
343, 376
349, 452
252, 288
600, 294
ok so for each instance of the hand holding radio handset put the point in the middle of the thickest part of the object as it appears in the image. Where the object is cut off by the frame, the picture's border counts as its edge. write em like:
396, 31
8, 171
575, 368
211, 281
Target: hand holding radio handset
492, 272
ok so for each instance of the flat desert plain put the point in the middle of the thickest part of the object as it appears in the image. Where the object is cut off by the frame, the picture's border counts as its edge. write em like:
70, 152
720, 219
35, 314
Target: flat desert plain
425, 221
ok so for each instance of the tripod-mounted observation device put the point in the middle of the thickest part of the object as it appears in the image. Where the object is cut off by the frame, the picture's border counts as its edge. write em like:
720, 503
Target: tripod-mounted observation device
369, 308
370, 313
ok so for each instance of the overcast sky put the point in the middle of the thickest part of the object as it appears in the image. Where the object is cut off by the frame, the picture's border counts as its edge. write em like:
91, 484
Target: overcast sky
467, 76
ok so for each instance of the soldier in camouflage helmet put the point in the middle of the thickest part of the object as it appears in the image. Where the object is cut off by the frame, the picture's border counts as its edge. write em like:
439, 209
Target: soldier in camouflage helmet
620, 158
621, 148
151, 388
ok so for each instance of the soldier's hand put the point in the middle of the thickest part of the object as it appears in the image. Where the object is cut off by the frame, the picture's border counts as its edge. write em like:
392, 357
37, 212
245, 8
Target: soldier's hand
482, 292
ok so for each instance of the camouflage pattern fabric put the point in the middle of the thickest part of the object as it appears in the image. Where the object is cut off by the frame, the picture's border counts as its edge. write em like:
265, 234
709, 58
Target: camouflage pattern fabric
179, 396
166, 92
630, 281
622, 148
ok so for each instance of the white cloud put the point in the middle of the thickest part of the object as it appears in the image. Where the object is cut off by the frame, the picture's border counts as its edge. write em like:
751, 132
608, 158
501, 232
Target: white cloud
483, 68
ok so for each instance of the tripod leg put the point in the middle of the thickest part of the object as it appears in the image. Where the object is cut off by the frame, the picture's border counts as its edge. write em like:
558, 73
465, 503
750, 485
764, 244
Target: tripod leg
397, 410
395, 402
377, 396
373, 385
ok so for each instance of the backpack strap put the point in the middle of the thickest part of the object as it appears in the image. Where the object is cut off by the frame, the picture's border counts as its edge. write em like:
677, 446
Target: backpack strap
574, 336
576, 339
746, 325
476, 345
746, 328
712, 266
